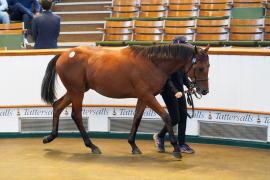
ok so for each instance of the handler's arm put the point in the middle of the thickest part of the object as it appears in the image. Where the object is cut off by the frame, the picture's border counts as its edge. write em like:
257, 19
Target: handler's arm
171, 87
186, 81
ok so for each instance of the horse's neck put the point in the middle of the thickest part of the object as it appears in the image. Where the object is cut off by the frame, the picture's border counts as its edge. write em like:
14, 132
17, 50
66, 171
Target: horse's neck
169, 67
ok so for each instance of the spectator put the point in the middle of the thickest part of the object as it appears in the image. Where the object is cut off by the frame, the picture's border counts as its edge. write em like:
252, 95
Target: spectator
21, 10
46, 27
4, 17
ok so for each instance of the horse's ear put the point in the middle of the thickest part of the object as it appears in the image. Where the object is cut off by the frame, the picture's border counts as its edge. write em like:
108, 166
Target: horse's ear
207, 48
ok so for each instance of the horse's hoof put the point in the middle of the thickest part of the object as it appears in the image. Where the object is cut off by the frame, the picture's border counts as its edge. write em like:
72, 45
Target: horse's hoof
136, 151
46, 140
177, 154
96, 150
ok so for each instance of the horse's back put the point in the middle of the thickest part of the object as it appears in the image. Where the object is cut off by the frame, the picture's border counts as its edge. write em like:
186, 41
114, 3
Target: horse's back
112, 72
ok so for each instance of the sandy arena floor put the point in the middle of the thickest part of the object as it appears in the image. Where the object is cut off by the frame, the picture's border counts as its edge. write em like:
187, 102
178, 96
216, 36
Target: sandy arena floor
67, 158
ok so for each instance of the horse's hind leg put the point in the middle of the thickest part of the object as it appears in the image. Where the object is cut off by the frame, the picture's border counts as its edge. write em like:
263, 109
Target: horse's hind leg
58, 107
140, 107
153, 104
77, 117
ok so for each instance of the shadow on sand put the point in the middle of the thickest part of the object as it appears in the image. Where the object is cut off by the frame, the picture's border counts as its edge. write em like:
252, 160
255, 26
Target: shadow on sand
122, 159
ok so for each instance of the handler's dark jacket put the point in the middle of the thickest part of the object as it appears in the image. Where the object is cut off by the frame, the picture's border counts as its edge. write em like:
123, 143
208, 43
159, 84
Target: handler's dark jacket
176, 81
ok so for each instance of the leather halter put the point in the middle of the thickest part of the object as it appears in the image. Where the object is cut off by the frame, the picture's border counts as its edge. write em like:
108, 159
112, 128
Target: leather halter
194, 82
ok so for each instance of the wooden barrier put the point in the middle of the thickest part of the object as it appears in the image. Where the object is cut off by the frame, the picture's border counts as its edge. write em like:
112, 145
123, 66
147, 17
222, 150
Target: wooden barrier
213, 50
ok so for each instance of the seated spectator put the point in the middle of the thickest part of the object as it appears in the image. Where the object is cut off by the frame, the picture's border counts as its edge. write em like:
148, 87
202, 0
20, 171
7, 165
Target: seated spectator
21, 10
4, 17
46, 27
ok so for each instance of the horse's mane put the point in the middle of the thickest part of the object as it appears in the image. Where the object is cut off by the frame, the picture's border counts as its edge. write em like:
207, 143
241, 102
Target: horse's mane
163, 52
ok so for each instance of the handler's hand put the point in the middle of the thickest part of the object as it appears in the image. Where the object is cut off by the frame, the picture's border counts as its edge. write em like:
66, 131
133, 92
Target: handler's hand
37, 14
178, 95
191, 90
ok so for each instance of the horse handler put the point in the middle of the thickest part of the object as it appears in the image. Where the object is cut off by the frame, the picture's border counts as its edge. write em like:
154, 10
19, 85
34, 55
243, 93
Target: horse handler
174, 98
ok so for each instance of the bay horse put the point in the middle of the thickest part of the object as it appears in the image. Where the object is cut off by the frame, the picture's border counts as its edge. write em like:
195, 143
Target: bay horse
131, 72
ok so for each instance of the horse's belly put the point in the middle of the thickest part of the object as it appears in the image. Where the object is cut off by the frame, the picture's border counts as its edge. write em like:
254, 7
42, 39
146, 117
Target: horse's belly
119, 79
115, 93
114, 88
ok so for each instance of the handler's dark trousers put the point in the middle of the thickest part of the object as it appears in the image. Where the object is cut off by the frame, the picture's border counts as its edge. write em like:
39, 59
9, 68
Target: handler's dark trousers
19, 12
178, 112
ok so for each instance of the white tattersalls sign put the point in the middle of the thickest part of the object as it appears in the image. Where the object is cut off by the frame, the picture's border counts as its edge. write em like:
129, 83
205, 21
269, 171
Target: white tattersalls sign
7, 113
235, 117
98, 117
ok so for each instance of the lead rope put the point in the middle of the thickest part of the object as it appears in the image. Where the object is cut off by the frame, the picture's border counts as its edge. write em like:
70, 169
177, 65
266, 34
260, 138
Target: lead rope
190, 103
190, 98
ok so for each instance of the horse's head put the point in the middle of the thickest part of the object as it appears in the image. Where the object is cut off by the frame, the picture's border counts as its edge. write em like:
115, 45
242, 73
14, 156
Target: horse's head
198, 70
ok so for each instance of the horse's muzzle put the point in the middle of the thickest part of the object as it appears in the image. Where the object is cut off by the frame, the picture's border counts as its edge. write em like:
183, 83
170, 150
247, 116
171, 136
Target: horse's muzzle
205, 91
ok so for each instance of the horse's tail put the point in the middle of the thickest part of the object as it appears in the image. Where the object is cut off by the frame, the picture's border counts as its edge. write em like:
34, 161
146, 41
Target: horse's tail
48, 82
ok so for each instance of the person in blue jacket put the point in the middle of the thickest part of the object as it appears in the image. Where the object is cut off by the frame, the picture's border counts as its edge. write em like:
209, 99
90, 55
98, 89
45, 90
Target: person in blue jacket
46, 27
174, 98
21, 10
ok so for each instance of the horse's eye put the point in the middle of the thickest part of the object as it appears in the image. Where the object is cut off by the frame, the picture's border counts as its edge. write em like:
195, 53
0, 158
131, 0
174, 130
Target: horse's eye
201, 69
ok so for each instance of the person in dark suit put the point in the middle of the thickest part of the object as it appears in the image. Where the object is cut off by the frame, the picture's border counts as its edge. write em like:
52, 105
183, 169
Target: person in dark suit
21, 10
46, 27
174, 98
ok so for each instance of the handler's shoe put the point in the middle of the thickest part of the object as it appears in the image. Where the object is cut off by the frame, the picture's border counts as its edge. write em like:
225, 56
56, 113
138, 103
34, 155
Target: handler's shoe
159, 142
184, 148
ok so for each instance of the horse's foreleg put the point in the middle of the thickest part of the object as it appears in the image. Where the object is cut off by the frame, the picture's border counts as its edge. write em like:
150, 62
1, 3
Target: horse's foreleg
153, 104
140, 107
58, 107
77, 117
